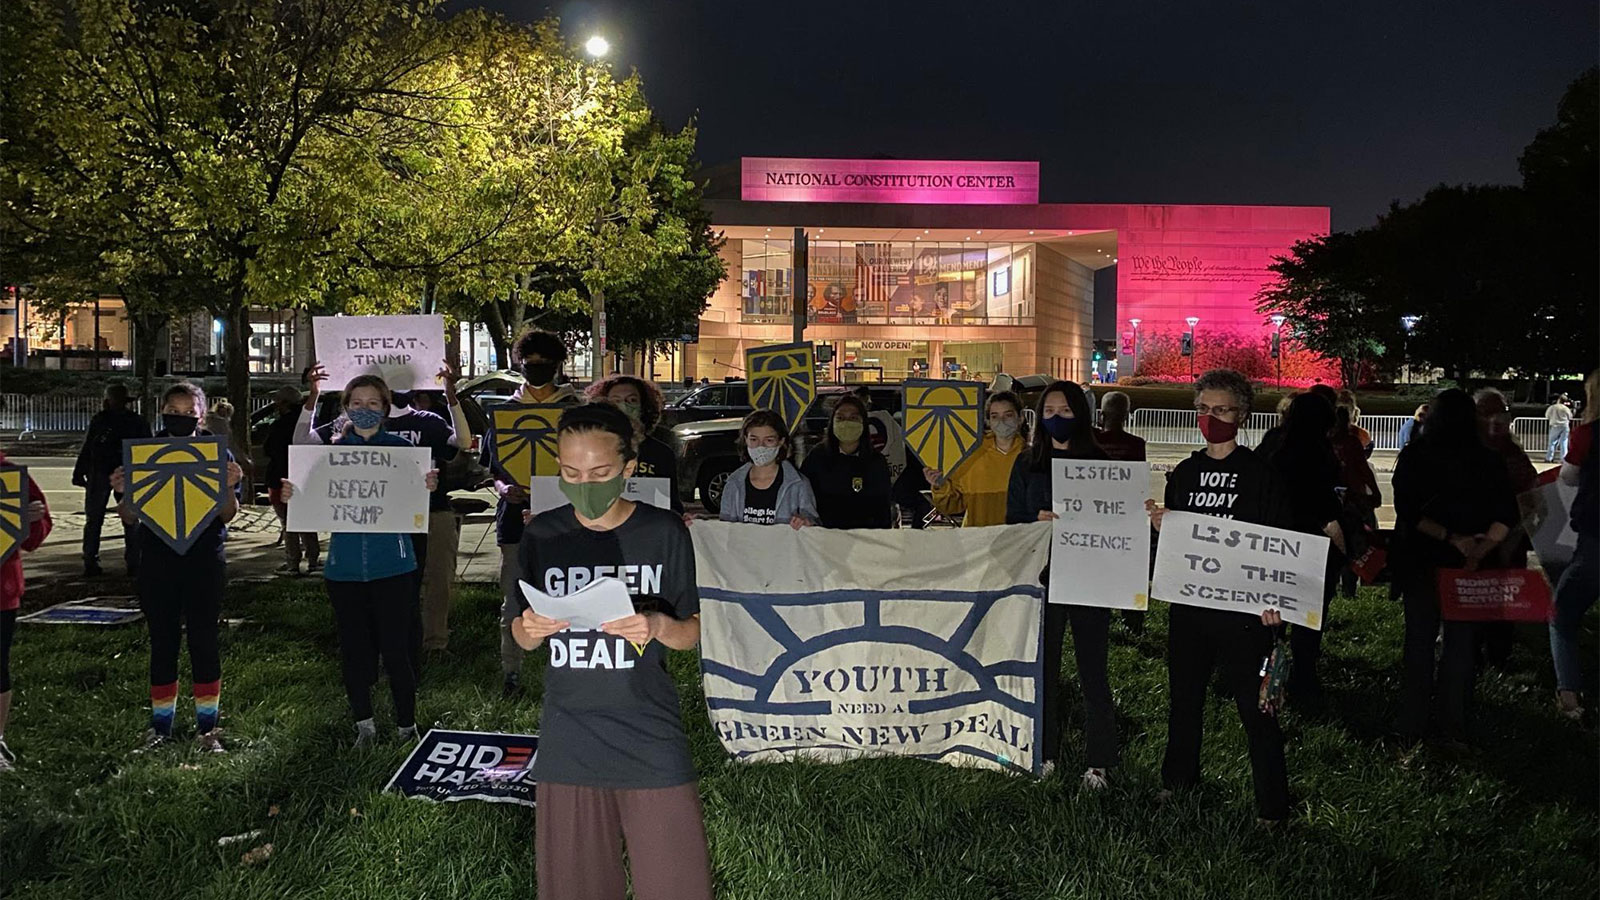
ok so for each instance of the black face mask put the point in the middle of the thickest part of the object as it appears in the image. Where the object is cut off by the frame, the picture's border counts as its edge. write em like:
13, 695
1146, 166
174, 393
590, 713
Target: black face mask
402, 399
179, 426
539, 373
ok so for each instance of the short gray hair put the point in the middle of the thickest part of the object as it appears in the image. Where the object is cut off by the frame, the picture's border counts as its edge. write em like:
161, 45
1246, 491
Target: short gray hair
1114, 406
1230, 381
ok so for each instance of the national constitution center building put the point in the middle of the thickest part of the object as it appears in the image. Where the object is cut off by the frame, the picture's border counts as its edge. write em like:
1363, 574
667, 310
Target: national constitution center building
955, 269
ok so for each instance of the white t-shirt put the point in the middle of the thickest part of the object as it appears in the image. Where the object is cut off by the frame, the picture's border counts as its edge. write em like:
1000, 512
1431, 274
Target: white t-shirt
1559, 415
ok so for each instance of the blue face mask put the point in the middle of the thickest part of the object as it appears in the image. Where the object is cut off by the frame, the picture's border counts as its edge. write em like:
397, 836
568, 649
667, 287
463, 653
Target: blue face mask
364, 418
1062, 428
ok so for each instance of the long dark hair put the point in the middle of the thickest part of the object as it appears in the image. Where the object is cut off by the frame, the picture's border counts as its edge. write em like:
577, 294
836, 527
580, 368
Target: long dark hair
866, 447
1305, 444
1452, 423
1082, 445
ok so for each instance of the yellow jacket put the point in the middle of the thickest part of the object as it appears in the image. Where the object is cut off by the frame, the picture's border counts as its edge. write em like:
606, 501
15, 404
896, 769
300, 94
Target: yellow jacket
978, 485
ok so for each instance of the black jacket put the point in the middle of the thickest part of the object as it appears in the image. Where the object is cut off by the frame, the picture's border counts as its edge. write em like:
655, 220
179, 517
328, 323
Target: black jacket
852, 491
101, 453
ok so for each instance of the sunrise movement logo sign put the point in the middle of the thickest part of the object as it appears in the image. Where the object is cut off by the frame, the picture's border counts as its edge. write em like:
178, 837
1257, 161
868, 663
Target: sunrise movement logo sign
13, 509
943, 421
783, 378
831, 645
176, 485
523, 436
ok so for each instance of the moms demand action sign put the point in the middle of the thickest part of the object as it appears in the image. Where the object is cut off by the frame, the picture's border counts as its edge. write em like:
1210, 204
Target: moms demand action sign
887, 181
832, 645
1227, 564
469, 765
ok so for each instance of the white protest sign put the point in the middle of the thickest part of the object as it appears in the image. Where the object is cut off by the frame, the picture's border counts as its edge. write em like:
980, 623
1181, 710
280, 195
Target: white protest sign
1548, 521
1100, 545
1238, 566
358, 488
406, 351
544, 492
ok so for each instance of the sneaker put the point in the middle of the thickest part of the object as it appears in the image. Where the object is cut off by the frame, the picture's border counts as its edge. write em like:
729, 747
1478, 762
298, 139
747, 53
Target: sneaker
407, 734
1568, 706
153, 740
92, 570
1095, 780
365, 737
8, 759
512, 686
1164, 796
290, 569
210, 742
1048, 769
313, 567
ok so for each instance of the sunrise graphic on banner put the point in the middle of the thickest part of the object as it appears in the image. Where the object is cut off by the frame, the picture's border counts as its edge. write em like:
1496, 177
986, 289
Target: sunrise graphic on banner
783, 378
13, 509
523, 436
943, 420
176, 485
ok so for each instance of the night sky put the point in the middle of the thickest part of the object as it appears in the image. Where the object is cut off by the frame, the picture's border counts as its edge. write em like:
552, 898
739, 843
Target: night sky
1349, 104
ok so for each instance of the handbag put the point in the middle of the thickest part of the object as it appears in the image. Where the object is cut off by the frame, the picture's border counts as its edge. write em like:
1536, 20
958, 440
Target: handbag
1274, 694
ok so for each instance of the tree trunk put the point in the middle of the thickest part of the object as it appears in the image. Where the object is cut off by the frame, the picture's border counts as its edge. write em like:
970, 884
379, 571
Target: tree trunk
236, 346
430, 296
146, 329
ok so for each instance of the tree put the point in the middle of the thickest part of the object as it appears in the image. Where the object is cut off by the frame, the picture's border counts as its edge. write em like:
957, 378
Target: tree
1325, 293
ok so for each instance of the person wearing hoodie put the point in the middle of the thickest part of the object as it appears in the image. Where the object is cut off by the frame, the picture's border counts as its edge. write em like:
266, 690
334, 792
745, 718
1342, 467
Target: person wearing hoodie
976, 488
848, 474
1227, 481
36, 519
371, 577
540, 356
767, 489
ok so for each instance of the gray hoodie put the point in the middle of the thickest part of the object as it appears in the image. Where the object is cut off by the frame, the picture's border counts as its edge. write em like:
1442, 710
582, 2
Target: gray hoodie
794, 495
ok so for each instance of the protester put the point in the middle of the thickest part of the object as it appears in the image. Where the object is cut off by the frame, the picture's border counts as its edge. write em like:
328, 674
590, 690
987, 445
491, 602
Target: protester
219, 420
1199, 639
100, 455
182, 592
976, 489
1272, 439
767, 489
613, 765
1361, 496
540, 355
848, 475
1066, 431
1497, 639
280, 435
1559, 417
1351, 412
36, 517
436, 558
1309, 472
642, 401
438, 435
371, 577
1453, 505
1113, 436
1580, 581
1412, 427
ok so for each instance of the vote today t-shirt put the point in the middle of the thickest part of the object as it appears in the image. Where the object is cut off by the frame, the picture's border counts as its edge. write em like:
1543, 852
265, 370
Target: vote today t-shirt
610, 713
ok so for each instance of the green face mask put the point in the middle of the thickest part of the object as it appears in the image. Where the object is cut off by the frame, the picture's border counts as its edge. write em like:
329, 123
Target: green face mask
848, 430
631, 407
592, 498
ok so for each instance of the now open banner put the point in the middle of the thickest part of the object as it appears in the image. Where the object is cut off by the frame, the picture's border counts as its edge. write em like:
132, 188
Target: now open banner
829, 645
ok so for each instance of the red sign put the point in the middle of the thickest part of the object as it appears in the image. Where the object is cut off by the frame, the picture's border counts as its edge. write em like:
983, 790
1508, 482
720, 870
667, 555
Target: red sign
1498, 595
888, 181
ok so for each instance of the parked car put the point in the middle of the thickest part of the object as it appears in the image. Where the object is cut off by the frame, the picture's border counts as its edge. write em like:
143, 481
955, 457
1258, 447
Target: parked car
721, 400
708, 450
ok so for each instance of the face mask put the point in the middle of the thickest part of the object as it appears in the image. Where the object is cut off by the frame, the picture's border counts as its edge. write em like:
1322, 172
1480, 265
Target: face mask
1005, 428
364, 418
631, 407
764, 456
1216, 431
179, 426
539, 374
847, 430
402, 399
1061, 428
592, 498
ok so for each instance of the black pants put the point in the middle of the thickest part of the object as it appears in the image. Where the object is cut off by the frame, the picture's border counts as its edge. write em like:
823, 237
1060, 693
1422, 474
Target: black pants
1452, 680
420, 543
176, 596
374, 619
1198, 641
96, 498
8, 630
1091, 627
1305, 678
907, 492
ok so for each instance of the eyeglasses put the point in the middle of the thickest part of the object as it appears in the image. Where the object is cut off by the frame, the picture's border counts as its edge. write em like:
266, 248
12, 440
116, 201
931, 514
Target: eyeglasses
1218, 411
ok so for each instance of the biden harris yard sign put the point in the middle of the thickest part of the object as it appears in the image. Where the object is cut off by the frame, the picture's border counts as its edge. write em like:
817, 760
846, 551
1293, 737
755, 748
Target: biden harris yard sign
834, 644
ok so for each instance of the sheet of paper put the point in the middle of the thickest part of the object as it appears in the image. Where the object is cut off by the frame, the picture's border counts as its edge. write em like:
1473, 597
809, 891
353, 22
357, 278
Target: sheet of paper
600, 601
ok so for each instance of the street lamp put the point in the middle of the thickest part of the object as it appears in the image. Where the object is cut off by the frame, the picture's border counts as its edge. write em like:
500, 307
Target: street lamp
1135, 369
1408, 323
1193, 321
1277, 346
597, 46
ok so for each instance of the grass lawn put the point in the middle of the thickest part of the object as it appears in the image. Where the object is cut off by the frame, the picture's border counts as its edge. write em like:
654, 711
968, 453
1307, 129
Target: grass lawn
84, 818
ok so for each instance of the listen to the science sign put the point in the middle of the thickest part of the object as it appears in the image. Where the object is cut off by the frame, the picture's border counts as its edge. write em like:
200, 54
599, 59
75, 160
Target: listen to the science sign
1227, 564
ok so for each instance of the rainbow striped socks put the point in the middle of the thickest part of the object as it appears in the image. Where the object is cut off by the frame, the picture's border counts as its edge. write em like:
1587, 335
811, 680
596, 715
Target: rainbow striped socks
163, 703
205, 705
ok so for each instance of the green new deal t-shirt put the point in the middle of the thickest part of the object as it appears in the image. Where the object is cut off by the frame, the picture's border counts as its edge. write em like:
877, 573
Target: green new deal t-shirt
610, 713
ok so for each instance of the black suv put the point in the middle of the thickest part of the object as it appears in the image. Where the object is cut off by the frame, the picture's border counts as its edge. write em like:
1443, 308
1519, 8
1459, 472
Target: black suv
708, 449
722, 400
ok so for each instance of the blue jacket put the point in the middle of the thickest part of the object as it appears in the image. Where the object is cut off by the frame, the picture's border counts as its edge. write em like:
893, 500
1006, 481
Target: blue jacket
369, 557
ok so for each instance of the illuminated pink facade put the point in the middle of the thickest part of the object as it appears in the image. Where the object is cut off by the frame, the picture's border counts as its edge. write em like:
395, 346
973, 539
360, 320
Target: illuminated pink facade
985, 278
